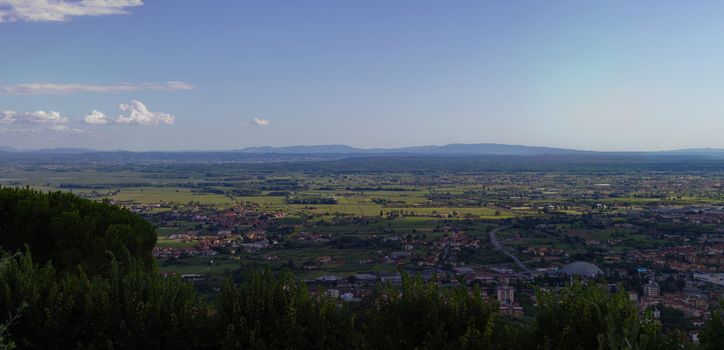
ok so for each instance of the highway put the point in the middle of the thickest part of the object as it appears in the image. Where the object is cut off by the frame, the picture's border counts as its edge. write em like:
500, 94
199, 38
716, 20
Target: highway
496, 244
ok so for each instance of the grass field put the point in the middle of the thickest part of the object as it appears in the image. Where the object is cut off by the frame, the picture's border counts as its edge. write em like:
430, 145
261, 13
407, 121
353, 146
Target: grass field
414, 208
173, 243
169, 195
216, 269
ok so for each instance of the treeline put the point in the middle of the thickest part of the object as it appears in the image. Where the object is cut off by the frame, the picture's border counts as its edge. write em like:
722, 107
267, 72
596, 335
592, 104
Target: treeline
49, 305
128, 308
311, 200
379, 188
141, 309
105, 186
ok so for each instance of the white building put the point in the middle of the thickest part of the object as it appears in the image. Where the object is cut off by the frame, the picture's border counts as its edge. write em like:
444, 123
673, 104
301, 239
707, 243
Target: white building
506, 294
652, 290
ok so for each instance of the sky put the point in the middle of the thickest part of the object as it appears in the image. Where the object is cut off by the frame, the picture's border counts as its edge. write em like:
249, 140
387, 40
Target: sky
211, 75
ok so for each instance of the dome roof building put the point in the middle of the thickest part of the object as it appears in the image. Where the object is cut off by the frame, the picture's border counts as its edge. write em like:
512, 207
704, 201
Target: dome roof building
580, 268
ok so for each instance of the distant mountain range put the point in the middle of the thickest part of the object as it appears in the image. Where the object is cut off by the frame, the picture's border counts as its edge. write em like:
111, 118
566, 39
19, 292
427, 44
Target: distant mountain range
456, 148
450, 149
49, 150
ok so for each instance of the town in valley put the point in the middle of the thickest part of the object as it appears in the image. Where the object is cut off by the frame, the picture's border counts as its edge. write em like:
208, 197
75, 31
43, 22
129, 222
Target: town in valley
345, 227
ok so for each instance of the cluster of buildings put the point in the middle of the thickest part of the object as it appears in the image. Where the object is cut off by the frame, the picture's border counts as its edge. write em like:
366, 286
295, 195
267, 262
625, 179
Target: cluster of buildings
685, 258
493, 284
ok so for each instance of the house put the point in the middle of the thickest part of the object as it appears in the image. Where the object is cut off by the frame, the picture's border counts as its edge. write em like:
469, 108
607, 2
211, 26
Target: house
390, 277
365, 277
506, 294
511, 310
651, 290
463, 270
192, 277
333, 293
328, 279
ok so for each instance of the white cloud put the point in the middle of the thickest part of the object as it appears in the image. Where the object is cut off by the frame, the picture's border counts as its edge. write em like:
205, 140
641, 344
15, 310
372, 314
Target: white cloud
95, 118
172, 86
53, 128
51, 88
37, 117
61, 10
7, 117
261, 122
42, 121
63, 128
42, 117
20, 130
137, 113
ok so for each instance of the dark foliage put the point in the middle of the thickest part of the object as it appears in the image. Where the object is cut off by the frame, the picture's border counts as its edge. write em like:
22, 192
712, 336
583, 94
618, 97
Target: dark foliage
70, 231
132, 306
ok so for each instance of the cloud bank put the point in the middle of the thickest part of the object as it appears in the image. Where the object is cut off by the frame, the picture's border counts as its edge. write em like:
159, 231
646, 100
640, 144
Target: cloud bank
61, 10
64, 128
37, 117
19, 123
135, 113
51, 88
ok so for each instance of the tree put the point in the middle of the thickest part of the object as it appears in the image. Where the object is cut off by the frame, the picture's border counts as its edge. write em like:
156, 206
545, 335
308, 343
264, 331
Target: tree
70, 231
424, 316
712, 336
274, 312
127, 308
588, 317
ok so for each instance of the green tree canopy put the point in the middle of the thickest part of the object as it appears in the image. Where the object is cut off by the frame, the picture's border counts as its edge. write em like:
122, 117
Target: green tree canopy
71, 231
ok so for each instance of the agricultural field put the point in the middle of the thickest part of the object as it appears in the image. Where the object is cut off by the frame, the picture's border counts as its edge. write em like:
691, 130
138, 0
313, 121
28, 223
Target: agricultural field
216, 219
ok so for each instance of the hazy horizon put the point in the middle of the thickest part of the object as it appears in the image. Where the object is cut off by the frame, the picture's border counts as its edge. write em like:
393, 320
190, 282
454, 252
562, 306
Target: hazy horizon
276, 147
216, 75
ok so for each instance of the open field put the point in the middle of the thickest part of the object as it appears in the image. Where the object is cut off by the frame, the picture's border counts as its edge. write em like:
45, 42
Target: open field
168, 195
319, 223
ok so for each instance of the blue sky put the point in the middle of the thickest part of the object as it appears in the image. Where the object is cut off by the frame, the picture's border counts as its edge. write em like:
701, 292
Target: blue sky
191, 74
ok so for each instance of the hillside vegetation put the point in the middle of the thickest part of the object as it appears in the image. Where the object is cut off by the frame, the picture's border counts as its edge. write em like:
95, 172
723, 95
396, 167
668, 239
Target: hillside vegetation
45, 304
70, 232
